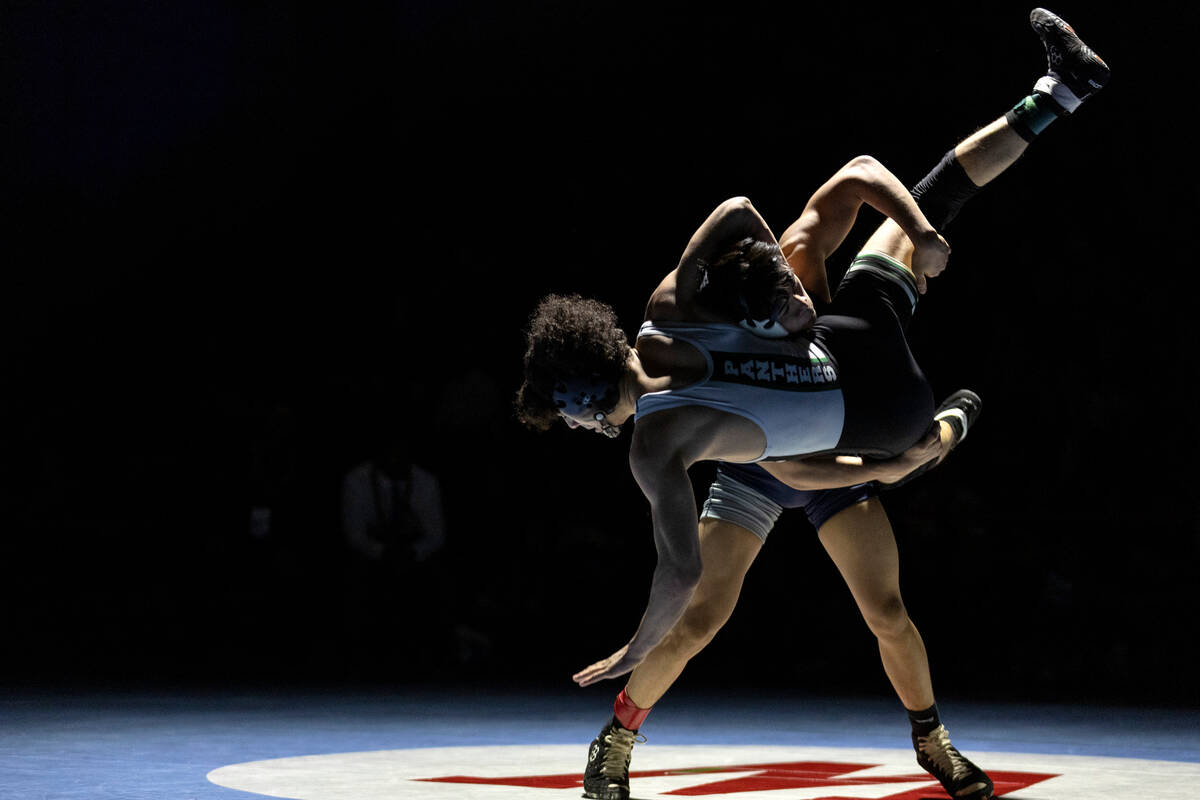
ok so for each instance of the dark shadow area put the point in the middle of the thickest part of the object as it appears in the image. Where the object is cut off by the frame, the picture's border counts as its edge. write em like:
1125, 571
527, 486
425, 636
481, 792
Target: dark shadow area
268, 269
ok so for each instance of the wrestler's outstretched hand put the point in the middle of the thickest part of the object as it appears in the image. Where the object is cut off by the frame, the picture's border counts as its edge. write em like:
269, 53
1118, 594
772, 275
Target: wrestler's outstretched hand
611, 667
930, 255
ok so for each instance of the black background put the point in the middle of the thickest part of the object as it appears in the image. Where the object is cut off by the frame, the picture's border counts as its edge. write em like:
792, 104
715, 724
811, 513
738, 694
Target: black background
242, 240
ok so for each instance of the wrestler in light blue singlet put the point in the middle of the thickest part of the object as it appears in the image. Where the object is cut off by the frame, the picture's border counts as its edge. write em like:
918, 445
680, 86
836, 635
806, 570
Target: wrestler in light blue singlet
789, 388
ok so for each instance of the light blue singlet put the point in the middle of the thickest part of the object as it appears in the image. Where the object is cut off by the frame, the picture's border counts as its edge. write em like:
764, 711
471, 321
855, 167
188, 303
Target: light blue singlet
788, 387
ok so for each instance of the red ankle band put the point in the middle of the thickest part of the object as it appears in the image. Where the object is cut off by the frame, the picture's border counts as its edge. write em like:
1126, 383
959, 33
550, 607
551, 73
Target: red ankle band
630, 716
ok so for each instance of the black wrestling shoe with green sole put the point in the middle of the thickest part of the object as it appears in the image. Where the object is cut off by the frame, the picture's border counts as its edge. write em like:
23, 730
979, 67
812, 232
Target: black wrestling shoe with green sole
961, 779
1070, 60
606, 776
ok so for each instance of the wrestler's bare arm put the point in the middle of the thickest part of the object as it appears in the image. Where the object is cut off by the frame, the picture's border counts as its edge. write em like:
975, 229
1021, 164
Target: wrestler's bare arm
733, 220
830, 214
661, 452
829, 472
827, 219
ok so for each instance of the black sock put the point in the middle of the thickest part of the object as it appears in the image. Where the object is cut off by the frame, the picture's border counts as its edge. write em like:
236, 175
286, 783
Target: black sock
924, 721
944, 191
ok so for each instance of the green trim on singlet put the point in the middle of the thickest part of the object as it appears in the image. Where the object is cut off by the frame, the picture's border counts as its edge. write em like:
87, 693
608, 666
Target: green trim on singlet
887, 267
869, 255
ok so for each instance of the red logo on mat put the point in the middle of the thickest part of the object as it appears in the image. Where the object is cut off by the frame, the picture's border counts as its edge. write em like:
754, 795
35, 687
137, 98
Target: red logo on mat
760, 777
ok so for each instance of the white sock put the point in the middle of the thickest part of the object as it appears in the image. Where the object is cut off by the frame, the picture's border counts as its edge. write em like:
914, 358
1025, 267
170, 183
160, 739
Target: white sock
958, 414
1058, 90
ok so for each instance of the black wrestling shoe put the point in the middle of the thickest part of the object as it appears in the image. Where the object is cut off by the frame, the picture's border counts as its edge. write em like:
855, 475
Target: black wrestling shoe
606, 776
961, 779
1070, 61
959, 411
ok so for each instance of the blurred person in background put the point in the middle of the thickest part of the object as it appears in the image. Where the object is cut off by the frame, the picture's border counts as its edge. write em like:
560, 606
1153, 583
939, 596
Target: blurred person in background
393, 526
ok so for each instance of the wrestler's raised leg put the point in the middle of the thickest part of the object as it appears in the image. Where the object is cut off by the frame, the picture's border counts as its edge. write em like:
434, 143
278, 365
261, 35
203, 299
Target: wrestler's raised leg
977, 160
1074, 73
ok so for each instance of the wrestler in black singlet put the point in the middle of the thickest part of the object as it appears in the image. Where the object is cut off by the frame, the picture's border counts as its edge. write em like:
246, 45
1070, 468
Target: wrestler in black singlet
889, 402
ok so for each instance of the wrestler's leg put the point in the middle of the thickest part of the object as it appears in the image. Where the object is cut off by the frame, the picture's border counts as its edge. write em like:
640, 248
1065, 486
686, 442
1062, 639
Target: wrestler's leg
743, 505
1074, 73
727, 551
861, 543
985, 154
982, 156
974, 162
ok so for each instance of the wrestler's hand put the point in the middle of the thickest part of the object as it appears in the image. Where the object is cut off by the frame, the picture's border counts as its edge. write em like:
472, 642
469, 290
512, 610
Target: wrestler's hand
930, 255
611, 667
930, 448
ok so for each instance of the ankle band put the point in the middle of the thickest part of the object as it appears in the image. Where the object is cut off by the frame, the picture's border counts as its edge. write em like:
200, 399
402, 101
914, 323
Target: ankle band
1033, 115
630, 716
924, 721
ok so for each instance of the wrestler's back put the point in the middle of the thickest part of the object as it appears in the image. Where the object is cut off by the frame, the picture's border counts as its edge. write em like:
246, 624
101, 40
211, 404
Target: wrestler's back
787, 389
733, 438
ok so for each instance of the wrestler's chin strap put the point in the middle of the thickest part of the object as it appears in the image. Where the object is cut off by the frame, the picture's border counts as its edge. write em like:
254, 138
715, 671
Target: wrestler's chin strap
606, 427
579, 396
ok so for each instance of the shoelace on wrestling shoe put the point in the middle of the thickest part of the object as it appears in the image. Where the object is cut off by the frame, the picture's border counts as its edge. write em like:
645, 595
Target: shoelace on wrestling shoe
937, 748
618, 753
951, 767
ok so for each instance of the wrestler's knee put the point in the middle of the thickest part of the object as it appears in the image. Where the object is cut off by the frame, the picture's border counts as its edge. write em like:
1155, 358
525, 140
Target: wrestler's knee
886, 615
890, 240
697, 627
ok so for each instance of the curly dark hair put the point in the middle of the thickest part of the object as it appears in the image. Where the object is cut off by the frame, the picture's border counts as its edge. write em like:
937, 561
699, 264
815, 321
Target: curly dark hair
748, 281
568, 336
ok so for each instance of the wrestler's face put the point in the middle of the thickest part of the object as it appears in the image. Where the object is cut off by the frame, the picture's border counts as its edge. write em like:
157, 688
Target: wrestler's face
587, 422
798, 314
